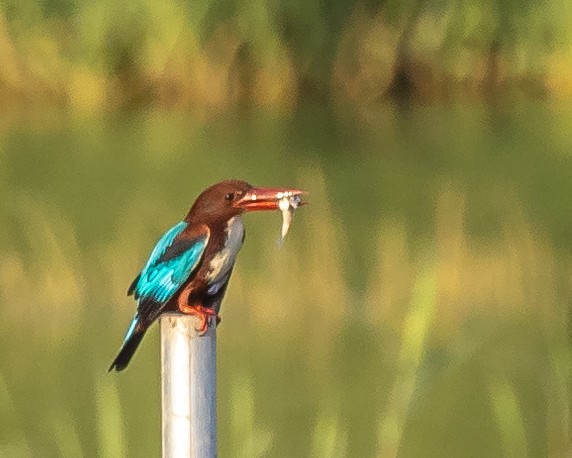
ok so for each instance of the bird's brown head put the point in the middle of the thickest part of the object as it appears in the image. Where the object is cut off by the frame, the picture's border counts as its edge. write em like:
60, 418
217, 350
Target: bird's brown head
230, 198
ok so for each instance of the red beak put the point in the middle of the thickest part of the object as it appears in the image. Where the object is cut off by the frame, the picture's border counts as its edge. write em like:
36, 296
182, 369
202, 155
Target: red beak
266, 198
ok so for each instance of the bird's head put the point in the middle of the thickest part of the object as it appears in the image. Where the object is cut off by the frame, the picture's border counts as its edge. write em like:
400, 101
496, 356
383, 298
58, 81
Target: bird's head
230, 198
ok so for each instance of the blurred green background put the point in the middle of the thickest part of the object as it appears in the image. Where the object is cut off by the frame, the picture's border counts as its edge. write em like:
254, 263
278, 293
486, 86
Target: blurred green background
419, 306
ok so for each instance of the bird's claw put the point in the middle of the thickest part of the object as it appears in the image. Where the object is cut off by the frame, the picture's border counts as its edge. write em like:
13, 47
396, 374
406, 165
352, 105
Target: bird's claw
204, 314
203, 326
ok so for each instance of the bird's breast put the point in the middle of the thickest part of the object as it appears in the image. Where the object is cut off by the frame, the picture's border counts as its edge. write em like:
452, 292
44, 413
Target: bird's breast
223, 261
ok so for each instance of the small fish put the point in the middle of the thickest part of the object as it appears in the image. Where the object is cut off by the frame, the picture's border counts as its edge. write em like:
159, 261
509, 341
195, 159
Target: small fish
287, 205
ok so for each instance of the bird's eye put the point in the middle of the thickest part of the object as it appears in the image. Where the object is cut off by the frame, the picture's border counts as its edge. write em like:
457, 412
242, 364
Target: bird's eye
229, 196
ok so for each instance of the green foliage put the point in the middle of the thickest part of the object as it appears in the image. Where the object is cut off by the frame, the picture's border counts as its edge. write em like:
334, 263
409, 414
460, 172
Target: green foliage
419, 306
416, 327
509, 418
92, 56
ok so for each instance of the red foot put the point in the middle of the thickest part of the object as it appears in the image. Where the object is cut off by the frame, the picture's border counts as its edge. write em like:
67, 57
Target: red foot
204, 313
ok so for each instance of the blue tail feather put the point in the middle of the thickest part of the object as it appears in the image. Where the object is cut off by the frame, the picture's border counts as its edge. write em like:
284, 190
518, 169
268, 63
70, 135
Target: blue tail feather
132, 340
131, 329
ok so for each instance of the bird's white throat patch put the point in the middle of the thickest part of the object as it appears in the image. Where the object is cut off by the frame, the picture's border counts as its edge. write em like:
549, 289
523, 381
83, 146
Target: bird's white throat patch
223, 261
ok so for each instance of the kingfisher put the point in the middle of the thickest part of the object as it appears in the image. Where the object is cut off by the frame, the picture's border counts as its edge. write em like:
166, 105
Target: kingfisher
189, 269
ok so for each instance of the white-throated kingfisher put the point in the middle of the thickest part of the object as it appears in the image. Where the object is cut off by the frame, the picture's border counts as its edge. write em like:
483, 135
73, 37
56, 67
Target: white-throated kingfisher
190, 267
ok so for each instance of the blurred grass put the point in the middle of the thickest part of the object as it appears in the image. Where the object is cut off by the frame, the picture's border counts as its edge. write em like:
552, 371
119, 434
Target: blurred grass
509, 418
99, 56
419, 306
416, 326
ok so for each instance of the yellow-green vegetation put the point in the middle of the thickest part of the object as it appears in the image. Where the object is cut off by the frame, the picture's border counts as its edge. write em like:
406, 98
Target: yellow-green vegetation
419, 306
102, 55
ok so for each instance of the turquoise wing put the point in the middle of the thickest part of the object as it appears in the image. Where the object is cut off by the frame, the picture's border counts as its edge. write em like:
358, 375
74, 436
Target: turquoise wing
171, 263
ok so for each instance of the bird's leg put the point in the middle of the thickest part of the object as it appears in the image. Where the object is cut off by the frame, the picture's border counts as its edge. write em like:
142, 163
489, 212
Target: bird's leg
204, 313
